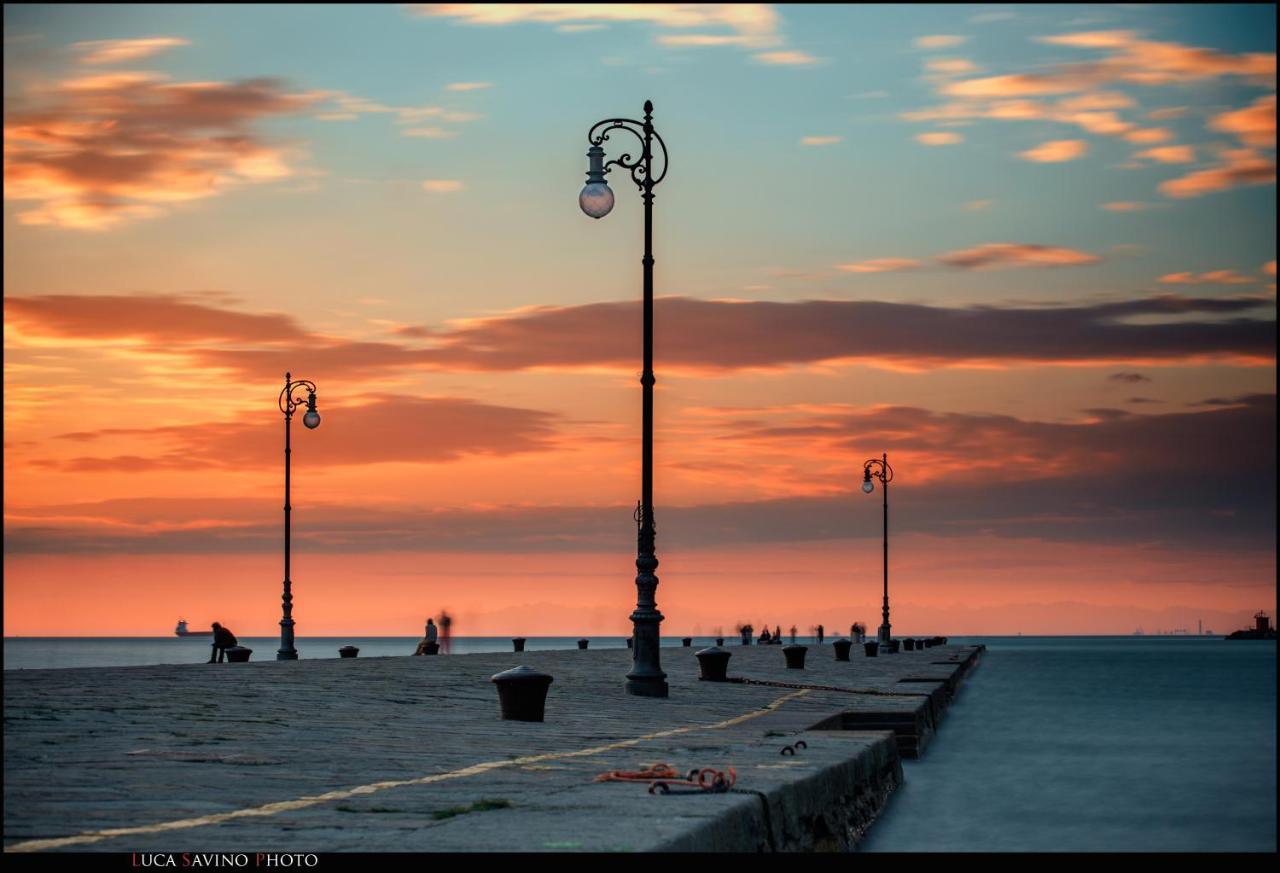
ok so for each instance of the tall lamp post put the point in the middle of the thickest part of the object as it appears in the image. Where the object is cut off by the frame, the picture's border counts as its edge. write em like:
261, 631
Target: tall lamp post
646, 677
880, 469
290, 399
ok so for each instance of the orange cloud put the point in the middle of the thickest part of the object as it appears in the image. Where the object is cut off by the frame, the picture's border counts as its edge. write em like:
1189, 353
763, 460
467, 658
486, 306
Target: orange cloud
441, 186
880, 265
994, 256
938, 41
1170, 154
1255, 125
786, 58
1147, 62
1056, 151
104, 149
1214, 277
1124, 206
114, 51
819, 140
939, 138
1236, 167
1146, 135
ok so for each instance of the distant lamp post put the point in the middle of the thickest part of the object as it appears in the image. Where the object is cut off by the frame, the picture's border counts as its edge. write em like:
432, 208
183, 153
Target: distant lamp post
290, 399
880, 469
646, 677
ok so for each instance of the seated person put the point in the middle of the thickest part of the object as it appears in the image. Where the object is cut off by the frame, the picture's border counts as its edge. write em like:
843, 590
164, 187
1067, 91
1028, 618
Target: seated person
223, 639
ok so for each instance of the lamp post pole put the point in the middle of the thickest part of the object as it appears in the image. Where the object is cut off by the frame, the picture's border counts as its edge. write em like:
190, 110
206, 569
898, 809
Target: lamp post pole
879, 468
646, 678
289, 401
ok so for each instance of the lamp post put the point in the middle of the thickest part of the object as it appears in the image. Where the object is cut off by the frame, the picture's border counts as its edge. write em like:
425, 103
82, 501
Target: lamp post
880, 469
290, 399
646, 677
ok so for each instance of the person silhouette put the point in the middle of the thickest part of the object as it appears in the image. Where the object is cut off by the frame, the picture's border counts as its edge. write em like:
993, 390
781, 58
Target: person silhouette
223, 639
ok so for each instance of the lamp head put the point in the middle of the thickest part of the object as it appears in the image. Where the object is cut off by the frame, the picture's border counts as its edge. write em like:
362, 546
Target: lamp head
867, 485
312, 418
596, 198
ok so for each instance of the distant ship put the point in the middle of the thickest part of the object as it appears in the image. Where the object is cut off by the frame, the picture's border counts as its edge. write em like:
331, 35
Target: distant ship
1261, 630
181, 630
1139, 633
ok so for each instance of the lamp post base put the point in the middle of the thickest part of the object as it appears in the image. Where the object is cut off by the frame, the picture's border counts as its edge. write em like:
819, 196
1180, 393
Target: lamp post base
884, 635
291, 655
647, 687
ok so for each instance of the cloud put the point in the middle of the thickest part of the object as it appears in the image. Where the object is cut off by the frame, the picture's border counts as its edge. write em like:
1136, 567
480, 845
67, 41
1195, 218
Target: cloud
939, 138
993, 256
1236, 167
1147, 62
467, 86
1255, 125
1269, 268
819, 140
786, 58
978, 205
97, 151
1214, 277
1056, 151
380, 428
1147, 135
881, 265
749, 25
441, 186
938, 41
1124, 206
950, 66
429, 132
159, 319
1169, 154
701, 336
1130, 378
114, 51
1112, 477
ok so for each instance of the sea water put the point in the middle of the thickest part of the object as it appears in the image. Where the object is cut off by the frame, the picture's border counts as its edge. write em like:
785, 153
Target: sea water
1151, 744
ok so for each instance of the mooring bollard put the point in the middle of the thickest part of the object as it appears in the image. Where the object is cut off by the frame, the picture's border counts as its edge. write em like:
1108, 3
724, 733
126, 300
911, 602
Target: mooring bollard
582, 644
871, 648
909, 644
719, 641
714, 663
842, 647
746, 636
348, 652
518, 643
238, 654
522, 693
686, 641
894, 646
630, 642
795, 656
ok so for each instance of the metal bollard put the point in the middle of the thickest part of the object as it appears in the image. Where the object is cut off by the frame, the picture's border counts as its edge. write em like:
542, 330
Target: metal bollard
714, 663
842, 647
871, 648
582, 644
686, 641
631, 641
238, 654
893, 646
348, 652
795, 656
909, 644
518, 643
522, 693
719, 641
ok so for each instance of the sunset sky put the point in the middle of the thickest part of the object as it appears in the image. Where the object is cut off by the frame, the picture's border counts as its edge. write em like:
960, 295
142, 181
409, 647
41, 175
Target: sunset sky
1029, 252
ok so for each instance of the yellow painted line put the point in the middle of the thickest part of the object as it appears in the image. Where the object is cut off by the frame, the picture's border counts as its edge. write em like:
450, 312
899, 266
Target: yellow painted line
267, 809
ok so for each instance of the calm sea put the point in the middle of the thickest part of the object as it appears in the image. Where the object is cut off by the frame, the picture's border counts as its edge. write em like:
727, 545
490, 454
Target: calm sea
1151, 744
1142, 744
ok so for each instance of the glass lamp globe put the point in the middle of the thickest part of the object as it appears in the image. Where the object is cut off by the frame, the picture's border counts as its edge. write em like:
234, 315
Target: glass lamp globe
868, 486
311, 419
596, 199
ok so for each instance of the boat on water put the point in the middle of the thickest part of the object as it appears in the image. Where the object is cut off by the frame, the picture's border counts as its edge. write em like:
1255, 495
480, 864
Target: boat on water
181, 630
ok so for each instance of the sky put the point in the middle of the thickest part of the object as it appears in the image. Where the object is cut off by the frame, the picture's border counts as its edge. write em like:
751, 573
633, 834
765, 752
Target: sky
1026, 251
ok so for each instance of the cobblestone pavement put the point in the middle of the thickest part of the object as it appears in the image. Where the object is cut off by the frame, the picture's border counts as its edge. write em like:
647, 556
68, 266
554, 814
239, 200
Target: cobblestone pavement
408, 753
